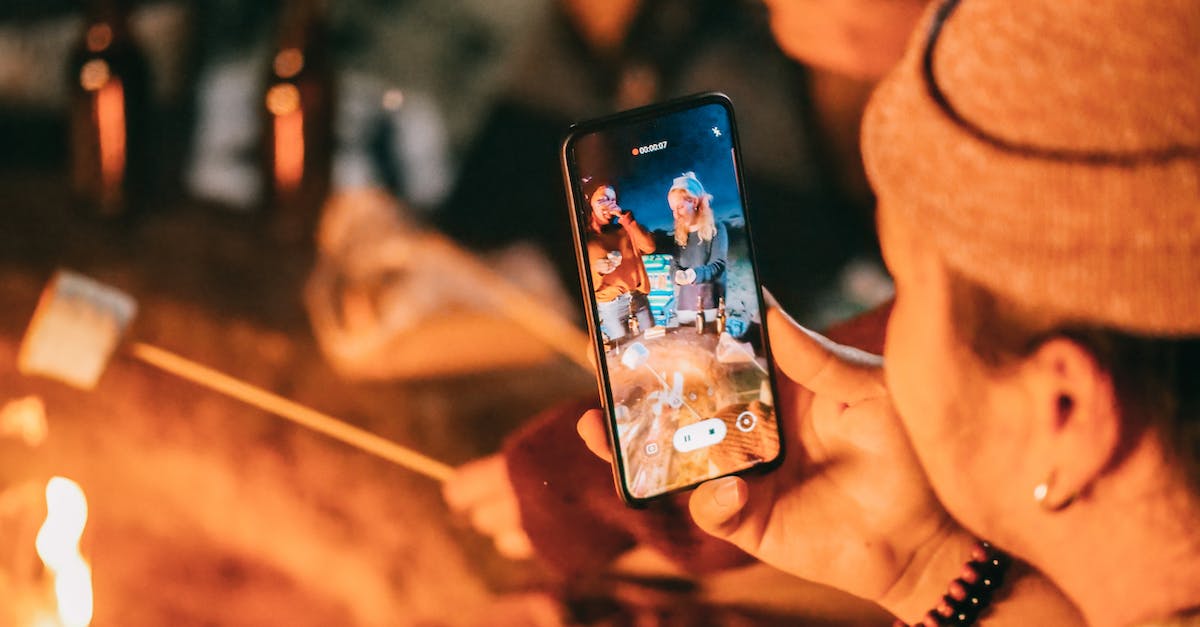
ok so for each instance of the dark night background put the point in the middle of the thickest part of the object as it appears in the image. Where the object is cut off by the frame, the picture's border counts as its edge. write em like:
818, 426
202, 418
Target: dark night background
642, 181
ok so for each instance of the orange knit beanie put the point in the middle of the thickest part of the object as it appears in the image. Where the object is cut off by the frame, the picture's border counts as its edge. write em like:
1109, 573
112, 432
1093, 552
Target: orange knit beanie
1050, 151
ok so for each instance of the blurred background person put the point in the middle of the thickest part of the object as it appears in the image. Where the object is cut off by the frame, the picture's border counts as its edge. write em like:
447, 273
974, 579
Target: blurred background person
587, 58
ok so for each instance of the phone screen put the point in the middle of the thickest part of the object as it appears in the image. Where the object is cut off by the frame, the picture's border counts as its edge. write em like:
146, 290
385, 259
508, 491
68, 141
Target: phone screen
675, 307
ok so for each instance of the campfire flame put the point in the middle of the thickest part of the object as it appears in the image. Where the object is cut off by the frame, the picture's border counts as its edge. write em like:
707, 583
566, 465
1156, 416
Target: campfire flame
58, 546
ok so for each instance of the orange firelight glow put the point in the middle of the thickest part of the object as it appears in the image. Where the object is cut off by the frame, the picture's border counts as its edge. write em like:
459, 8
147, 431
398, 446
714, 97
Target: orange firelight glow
283, 101
99, 36
94, 74
58, 546
110, 115
288, 63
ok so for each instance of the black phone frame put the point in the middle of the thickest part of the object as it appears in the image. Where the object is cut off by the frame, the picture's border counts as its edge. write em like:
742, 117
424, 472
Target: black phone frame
579, 208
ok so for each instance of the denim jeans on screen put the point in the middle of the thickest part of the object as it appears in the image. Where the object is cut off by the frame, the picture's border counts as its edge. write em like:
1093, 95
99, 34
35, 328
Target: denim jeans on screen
614, 314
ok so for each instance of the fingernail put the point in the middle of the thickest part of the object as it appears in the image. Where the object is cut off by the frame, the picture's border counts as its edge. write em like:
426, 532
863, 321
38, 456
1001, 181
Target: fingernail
726, 493
769, 298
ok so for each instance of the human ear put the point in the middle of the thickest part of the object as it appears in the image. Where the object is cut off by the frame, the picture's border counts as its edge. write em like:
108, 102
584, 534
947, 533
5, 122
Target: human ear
1076, 426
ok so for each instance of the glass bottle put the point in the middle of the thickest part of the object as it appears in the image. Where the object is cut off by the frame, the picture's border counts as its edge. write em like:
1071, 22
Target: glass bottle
109, 86
720, 315
298, 130
634, 327
700, 314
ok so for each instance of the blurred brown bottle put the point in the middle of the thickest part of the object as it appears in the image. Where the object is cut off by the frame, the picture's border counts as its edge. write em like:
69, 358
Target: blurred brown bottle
109, 86
298, 128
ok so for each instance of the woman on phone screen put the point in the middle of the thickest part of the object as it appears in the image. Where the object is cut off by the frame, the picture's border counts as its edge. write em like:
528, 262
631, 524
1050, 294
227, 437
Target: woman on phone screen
703, 245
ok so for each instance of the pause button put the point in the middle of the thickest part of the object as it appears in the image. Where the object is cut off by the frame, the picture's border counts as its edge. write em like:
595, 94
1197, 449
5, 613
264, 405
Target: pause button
699, 435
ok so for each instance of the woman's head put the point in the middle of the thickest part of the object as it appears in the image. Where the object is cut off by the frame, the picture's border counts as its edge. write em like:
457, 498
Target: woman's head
692, 208
999, 397
603, 200
1038, 211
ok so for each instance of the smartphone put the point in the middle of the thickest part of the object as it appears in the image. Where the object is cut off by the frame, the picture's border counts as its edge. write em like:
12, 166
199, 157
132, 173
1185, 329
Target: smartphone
673, 300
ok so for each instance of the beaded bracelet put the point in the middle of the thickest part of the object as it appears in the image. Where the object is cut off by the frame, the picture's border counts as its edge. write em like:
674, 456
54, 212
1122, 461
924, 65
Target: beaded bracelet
969, 595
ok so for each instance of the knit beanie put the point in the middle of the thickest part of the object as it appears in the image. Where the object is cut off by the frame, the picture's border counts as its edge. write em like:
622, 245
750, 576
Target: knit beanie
1050, 152
688, 183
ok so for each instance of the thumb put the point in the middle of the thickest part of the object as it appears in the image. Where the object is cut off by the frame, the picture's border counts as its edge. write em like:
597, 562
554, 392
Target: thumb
716, 505
823, 366
594, 433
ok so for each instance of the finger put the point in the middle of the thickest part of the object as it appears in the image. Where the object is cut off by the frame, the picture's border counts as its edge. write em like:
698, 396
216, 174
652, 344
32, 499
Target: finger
716, 505
476, 481
594, 433
821, 365
591, 356
533, 609
496, 517
514, 545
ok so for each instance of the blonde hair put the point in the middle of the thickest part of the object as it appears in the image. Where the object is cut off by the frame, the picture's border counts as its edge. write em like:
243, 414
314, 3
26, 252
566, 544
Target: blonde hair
704, 216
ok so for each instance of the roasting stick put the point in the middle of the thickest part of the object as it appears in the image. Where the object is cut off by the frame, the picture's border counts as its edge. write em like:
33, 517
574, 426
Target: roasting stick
290, 410
78, 326
541, 322
79, 322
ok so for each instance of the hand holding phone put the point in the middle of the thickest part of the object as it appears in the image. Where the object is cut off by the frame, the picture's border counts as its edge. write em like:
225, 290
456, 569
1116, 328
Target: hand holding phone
679, 410
834, 491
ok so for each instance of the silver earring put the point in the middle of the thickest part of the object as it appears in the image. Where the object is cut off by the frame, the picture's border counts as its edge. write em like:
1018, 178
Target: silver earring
1041, 492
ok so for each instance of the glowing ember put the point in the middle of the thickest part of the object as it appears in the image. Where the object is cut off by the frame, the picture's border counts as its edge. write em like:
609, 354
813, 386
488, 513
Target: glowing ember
58, 546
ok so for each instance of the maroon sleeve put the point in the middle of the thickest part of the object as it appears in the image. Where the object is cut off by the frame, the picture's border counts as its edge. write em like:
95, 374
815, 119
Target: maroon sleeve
866, 331
560, 486
570, 507
573, 515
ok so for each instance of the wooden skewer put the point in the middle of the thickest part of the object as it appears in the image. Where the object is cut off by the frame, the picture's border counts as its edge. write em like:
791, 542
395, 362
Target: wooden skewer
525, 312
291, 410
104, 312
